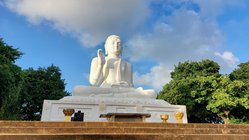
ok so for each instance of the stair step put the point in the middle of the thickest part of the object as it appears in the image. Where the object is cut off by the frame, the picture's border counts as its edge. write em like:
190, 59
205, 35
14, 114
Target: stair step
125, 137
114, 124
121, 130
35, 130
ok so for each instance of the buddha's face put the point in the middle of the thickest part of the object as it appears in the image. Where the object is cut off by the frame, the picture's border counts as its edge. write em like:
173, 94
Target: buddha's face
114, 46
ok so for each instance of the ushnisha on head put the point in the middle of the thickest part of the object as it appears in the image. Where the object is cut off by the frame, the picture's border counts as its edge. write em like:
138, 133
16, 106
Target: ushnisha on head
113, 46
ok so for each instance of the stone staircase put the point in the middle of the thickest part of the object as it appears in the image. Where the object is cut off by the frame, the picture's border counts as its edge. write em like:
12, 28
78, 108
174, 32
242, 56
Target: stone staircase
35, 130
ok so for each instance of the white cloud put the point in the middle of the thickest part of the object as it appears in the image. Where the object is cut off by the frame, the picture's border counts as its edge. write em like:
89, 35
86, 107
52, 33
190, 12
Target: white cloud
183, 35
229, 58
88, 20
157, 77
179, 37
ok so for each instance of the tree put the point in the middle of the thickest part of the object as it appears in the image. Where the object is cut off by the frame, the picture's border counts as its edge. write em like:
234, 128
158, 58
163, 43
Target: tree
41, 84
227, 97
192, 92
242, 73
192, 69
191, 83
10, 81
208, 95
22, 92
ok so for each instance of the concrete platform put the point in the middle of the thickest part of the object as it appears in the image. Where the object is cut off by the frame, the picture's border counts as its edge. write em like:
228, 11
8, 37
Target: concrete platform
93, 107
35, 130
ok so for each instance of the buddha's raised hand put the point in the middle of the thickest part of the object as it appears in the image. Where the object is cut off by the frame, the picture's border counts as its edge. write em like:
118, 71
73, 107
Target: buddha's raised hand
101, 57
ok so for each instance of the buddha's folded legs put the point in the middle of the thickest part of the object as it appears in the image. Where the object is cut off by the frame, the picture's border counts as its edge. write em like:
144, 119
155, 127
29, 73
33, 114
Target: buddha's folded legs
113, 92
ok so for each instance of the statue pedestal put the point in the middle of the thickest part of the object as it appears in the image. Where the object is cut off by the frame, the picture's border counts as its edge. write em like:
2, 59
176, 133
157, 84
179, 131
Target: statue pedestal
93, 107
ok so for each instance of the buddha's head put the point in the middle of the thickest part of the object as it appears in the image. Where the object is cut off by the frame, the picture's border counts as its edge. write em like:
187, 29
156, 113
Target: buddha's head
113, 45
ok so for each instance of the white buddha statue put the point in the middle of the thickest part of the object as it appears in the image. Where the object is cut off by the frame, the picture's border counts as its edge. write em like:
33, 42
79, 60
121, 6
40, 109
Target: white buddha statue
110, 75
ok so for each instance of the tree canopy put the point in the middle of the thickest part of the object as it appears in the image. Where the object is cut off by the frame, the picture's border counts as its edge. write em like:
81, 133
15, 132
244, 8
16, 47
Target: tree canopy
208, 95
22, 91
192, 69
10, 81
40, 84
241, 73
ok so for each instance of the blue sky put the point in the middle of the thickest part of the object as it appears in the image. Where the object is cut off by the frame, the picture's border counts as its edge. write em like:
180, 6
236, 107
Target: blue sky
156, 34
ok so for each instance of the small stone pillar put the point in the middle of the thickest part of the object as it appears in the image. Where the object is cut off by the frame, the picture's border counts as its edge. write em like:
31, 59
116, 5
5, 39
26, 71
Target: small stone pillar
164, 118
68, 112
179, 116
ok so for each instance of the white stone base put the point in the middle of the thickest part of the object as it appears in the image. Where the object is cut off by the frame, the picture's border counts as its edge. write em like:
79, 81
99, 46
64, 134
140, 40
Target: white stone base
92, 107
